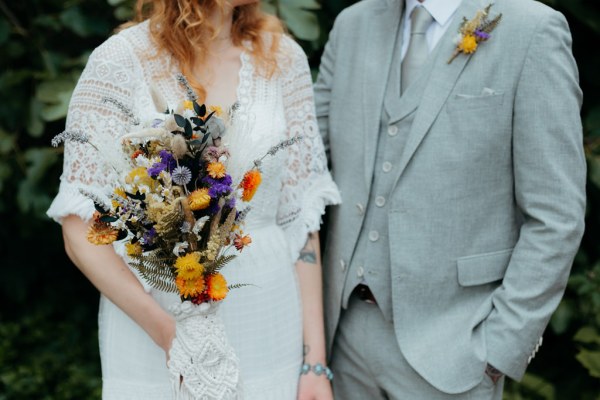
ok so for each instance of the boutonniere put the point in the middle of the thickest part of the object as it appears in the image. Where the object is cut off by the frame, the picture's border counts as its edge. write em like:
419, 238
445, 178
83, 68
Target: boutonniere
475, 31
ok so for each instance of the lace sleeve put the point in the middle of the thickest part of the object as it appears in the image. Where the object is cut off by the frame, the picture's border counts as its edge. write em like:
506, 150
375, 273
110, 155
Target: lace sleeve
308, 187
108, 74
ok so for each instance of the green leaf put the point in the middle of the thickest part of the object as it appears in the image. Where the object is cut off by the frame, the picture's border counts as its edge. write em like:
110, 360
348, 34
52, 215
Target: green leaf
35, 124
562, 317
302, 23
4, 31
7, 142
591, 361
55, 96
587, 335
180, 120
594, 169
31, 196
540, 386
84, 25
123, 13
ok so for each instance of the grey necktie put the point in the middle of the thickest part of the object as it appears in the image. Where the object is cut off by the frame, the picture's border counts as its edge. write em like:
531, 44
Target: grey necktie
417, 52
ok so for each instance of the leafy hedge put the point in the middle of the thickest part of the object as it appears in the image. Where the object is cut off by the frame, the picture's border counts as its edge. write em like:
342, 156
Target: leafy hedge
48, 340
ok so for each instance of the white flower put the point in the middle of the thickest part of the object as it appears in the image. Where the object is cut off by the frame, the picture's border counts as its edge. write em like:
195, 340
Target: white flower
179, 247
181, 175
457, 39
199, 225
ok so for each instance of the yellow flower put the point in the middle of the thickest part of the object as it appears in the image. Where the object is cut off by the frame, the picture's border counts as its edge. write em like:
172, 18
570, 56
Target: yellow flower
199, 199
250, 184
216, 170
190, 287
216, 109
142, 176
101, 233
133, 249
468, 44
188, 105
216, 287
188, 266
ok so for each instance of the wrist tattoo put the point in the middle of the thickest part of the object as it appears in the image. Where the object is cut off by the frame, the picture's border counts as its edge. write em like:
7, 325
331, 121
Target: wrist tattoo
305, 350
308, 253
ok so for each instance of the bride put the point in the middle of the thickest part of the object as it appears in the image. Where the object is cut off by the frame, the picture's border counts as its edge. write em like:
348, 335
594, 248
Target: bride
238, 58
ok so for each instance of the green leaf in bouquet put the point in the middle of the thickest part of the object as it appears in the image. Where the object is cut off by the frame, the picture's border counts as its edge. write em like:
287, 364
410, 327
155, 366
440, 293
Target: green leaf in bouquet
121, 235
99, 208
200, 110
108, 219
205, 137
136, 196
219, 263
198, 122
179, 120
188, 129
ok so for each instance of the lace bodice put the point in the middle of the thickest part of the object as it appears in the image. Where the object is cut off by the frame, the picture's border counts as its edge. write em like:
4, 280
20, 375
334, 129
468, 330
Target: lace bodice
296, 183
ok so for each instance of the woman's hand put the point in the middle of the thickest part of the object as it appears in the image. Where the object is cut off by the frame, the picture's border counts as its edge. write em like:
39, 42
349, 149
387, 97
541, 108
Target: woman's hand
314, 387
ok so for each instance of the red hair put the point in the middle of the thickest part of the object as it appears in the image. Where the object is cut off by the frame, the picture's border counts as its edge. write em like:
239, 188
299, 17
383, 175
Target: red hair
176, 26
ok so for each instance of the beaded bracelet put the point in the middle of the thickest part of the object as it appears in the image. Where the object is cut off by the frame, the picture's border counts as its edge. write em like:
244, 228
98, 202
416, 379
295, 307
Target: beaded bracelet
319, 369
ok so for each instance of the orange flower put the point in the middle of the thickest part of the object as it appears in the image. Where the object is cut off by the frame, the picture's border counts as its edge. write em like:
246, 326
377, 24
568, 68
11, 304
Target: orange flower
241, 241
468, 44
190, 287
199, 199
216, 170
216, 287
101, 233
133, 249
136, 153
188, 266
250, 184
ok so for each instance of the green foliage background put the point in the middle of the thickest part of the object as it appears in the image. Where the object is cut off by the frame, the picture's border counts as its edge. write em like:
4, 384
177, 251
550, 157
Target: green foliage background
48, 340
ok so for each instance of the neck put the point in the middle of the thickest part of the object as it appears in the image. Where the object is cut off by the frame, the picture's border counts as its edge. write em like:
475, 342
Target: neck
224, 22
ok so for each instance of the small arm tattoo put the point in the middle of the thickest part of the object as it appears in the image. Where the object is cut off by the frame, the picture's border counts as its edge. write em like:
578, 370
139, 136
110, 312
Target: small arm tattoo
308, 254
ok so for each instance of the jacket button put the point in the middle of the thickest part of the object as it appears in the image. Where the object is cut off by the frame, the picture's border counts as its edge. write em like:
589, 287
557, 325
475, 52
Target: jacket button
360, 272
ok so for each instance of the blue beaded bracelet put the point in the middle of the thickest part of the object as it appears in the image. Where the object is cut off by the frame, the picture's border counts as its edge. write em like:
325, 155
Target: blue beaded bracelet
319, 369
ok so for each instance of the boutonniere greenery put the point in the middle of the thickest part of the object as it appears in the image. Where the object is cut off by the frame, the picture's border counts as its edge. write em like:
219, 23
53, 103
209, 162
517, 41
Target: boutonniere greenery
474, 31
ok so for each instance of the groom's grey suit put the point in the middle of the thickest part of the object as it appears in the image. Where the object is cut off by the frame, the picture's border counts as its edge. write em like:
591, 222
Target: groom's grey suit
484, 201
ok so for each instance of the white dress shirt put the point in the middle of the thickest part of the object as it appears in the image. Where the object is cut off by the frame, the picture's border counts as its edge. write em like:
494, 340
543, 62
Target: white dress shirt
442, 12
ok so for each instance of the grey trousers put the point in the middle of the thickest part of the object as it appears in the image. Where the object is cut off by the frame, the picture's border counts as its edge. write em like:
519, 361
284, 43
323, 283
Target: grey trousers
368, 364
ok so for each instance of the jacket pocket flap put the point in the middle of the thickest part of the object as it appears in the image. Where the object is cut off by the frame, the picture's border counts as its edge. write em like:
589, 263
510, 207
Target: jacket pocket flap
483, 268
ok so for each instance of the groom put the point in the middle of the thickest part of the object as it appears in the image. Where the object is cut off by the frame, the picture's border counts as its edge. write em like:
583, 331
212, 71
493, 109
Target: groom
463, 188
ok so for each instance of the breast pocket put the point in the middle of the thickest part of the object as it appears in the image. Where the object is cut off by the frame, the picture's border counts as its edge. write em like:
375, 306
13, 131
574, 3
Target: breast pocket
480, 269
461, 103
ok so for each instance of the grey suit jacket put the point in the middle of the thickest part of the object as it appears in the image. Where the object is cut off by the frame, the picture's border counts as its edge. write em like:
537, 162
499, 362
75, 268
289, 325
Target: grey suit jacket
487, 211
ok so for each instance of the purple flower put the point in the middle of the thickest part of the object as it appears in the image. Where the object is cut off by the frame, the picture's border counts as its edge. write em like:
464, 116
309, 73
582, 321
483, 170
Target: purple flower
231, 202
218, 187
167, 159
149, 236
156, 169
481, 34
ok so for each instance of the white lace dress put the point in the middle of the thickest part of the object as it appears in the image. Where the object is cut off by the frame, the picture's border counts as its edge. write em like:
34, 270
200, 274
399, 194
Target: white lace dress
263, 321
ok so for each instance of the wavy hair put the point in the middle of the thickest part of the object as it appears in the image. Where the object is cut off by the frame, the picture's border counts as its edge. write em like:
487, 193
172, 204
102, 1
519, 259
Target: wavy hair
176, 26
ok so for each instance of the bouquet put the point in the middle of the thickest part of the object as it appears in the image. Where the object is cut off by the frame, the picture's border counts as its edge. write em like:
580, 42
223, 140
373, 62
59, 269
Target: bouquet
180, 216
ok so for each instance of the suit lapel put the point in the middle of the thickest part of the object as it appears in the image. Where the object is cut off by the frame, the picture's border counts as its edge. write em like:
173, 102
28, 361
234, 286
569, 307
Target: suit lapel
440, 83
379, 44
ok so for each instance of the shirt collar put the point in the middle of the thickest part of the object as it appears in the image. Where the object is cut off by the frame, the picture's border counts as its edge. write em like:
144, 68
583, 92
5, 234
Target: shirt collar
440, 10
